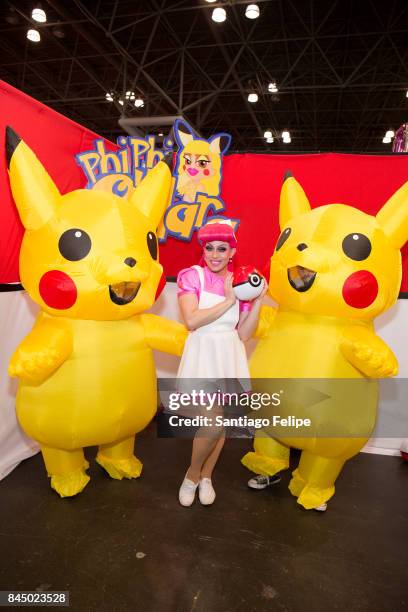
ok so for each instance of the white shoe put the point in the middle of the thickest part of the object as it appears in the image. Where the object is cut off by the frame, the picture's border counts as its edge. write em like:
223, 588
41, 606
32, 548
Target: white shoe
206, 493
187, 492
321, 508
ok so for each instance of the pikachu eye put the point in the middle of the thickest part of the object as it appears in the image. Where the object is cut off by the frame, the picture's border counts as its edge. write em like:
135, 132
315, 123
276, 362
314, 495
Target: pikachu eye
152, 244
74, 244
356, 246
283, 238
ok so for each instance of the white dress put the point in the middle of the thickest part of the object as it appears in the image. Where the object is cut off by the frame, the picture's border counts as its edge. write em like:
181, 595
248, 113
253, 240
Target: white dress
214, 351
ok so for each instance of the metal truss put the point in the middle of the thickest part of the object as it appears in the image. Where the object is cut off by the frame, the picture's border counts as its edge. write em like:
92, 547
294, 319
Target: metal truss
341, 67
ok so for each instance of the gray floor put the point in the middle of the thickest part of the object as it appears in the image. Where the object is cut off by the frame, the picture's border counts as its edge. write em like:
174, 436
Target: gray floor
130, 546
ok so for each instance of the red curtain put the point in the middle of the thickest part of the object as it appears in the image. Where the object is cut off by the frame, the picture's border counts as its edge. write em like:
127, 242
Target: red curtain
55, 140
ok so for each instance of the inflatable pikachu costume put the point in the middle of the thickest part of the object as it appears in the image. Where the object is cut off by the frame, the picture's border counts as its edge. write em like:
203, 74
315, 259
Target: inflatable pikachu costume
334, 269
86, 370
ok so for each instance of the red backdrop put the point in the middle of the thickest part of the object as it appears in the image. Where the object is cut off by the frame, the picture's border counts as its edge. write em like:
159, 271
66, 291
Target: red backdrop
251, 184
55, 140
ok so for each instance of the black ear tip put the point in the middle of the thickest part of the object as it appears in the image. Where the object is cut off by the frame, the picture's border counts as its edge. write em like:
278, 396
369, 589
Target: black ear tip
168, 160
12, 141
288, 174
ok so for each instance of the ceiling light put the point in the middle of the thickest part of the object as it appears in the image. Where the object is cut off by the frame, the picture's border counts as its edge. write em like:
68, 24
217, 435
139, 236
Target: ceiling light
33, 35
406, 95
287, 140
269, 140
130, 95
272, 87
139, 103
252, 11
285, 134
39, 15
386, 139
252, 97
161, 133
390, 134
109, 96
268, 134
210, 1
120, 101
219, 15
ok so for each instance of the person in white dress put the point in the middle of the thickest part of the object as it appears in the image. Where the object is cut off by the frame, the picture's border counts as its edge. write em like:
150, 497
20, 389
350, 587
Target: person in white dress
214, 350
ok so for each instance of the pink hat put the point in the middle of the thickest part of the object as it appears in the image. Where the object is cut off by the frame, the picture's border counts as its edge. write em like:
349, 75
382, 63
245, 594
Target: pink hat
219, 229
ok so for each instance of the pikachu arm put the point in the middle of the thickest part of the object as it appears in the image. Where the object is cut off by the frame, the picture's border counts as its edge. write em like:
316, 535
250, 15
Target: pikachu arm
368, 352
42, 351
164, 335
266, 318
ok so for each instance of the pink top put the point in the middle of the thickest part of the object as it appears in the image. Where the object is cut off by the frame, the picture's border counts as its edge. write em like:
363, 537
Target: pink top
188, 281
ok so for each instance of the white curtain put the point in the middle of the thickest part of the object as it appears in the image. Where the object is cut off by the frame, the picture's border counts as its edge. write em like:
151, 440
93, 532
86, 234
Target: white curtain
392, 327
17, 313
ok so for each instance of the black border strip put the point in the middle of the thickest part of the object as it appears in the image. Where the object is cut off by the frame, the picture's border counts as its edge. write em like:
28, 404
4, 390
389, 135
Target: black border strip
7, 287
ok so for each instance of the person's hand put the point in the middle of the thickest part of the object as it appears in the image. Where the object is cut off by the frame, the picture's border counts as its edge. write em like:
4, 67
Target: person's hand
264, 292
228, 289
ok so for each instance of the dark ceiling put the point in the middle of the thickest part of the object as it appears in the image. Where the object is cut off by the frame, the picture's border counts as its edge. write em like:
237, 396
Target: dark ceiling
341, 67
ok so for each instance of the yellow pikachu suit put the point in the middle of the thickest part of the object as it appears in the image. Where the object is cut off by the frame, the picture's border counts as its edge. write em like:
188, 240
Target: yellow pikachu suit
334, 269
86, 370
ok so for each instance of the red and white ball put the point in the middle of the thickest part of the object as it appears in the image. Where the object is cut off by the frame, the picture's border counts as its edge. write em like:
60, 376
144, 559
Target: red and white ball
248, 283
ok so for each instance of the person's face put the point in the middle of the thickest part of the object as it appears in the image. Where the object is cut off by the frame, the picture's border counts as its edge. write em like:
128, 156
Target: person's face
197, 167
217, 255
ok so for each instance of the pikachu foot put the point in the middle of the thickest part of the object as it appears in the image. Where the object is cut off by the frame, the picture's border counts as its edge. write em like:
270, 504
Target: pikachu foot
297, 484
310, 496
121, 468
261, 464
68, 485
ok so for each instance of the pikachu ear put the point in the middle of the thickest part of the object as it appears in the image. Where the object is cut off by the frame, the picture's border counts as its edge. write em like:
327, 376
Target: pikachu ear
152, 195
183, 133
293, 200
393, 217
220, 143
34, 192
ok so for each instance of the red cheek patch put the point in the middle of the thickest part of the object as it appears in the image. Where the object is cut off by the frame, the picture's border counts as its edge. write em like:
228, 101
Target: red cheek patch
161, 286
58, 290
360, 289
206, 172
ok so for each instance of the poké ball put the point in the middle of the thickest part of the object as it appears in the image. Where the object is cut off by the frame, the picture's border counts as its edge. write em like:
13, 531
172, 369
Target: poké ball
248, 283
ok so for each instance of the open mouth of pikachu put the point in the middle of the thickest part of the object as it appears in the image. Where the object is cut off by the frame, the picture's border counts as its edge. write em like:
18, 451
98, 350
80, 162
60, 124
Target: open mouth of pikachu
123, 293
301, 278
